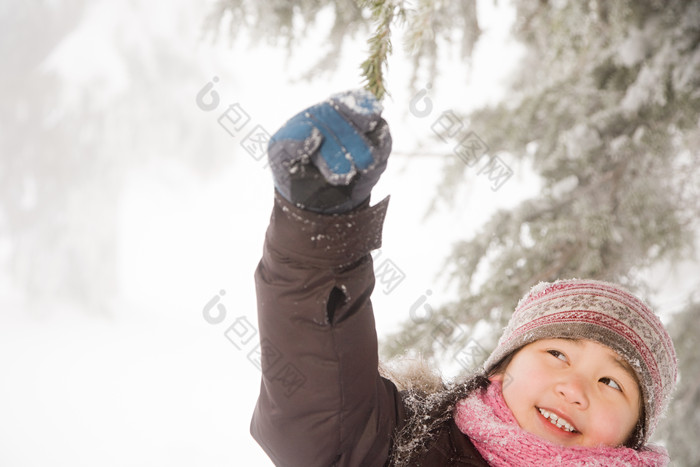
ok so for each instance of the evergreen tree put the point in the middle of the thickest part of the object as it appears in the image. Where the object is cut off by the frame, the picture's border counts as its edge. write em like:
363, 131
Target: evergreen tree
606, 107
67, 147
426, 22
680, 427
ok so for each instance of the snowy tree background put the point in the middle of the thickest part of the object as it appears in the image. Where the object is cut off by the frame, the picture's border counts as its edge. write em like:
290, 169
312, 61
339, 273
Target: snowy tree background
132, 201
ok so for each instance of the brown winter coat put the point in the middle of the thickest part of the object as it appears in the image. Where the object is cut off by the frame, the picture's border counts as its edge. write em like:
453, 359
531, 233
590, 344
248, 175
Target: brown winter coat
322, 400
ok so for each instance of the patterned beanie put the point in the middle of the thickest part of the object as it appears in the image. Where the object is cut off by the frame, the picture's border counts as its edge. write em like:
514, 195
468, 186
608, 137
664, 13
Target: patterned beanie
606, 313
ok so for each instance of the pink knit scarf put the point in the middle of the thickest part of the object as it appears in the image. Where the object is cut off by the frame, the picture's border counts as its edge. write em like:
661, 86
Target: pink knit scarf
486, 419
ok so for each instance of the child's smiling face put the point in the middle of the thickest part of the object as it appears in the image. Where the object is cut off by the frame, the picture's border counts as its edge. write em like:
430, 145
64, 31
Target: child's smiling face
584, 384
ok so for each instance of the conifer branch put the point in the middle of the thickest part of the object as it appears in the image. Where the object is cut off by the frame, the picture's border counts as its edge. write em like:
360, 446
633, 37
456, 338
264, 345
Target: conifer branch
383, 14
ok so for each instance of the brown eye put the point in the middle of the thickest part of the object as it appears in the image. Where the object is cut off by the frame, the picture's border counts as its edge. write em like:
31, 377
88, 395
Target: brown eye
557, 354
611, 382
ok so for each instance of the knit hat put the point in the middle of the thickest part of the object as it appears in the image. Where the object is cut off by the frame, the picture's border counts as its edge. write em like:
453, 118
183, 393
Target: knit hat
606, 313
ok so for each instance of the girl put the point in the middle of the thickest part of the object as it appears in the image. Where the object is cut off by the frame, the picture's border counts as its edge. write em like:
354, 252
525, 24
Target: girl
580, 376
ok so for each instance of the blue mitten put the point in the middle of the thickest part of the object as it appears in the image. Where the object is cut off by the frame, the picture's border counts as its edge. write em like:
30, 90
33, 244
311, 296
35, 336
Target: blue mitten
328, 157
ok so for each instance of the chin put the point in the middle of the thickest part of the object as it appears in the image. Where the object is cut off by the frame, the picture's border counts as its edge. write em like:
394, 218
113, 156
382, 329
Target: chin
561, 442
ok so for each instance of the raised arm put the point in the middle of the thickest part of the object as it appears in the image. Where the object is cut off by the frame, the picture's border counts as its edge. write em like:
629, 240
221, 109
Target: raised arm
322, 401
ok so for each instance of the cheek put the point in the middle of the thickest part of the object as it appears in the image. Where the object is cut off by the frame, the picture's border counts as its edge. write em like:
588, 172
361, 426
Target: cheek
610, 426
523, 384
527, 375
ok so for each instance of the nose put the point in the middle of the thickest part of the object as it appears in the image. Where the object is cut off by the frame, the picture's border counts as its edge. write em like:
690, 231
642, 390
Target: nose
573, 390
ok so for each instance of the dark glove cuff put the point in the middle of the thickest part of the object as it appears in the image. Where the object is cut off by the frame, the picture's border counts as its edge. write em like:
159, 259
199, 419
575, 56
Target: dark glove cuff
331, 240
308, 189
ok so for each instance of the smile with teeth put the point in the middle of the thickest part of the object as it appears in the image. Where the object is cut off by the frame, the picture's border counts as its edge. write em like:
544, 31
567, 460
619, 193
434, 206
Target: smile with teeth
555, 420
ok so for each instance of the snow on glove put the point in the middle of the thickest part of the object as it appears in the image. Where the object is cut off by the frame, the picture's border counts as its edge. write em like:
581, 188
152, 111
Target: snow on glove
328, 157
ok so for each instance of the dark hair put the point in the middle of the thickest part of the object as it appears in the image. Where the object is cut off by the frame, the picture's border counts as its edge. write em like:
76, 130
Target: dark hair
500, 367
636, 439
426, 416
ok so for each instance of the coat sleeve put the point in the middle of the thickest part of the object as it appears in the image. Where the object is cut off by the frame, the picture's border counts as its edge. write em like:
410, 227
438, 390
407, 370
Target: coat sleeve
322, 401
